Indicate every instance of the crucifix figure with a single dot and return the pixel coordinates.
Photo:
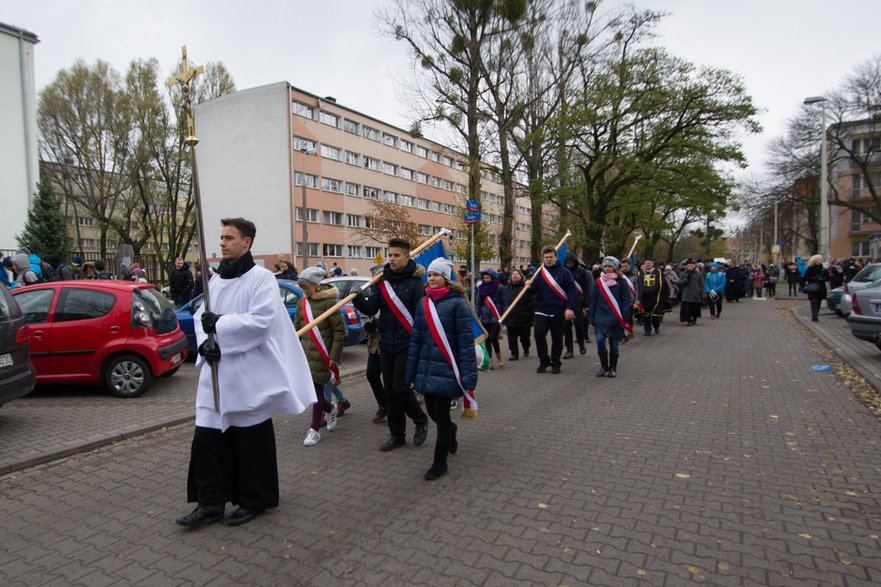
(185, 80)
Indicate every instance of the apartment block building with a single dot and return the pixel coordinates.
(271, 152)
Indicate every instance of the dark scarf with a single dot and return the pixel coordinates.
(237, 268)
(488, 289)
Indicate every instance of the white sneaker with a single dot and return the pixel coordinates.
(331, 418)
(312, 438)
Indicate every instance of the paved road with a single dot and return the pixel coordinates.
(717, 457)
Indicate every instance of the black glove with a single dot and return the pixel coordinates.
(211, 355)
(370, 326)
(209, 322)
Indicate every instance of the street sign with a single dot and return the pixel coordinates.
(472, 217)
(775, 249)
(472, 205)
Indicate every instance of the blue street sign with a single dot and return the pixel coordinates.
(472, 217)
(472, 205)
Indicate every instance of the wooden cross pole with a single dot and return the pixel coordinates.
(186, 79)
(531, 279)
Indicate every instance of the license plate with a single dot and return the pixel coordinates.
(6, 360)
(176, 358)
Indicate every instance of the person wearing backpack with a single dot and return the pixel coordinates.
(24, 275)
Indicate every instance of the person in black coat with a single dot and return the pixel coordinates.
(608, 324)
(519, 320)
(181, 282)
(583, 284)
(553, 304)
(815, 284)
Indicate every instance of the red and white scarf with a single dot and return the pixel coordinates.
(439, 335)
(318, 341)
(552, 283)
(612, 301)
(397, 306)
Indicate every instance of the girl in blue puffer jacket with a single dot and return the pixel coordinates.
(441, 363)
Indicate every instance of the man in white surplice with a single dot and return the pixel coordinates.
(262, 372)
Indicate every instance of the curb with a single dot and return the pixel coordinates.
(113, 437)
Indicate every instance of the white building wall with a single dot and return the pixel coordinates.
(243, 157)
(18, 129)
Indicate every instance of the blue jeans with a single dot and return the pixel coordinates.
(331, 392)
(601, 339)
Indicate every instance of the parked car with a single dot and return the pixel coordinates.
(867, 275)
(17, 373)
(833, 299)
(290, 294)
(119, 333)
(865, 320)
(348, 284)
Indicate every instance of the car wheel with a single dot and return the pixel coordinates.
(170, 373)
(127, 376)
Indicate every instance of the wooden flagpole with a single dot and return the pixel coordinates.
(376, 279)
(529, 283)
(633, 248)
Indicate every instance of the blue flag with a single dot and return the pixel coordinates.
(561, 255)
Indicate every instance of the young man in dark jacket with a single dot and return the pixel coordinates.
(395, 298)
(181, 282)
(554, 303)
(583, 284)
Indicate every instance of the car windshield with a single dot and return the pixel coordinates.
(870, 273)
(159, 308)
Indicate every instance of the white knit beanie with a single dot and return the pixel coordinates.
(441, 266)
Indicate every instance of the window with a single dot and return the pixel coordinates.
(335, 218)
(88, 243)
(350, 126)
(369, 253)
(447, 161)
(353, 189)
(83, 304)
(435, 181)
(407, 173)
(435, 206)
(447, 209)
(390, 196)
(435, 157)
(301, 109)
(354, 220)
(389, 140)
(371, 193)
(311, 180)
(301, 144)
(35, 304)
(85, 221)
(448, 185)
(353, 158)
(371, 163)
(425, 230)
(329, 119)
(329, 152)
(423, 204)
(311, 213)
(369, 133)
(859, 249)
(422, 177)
(331, 185)
(422, 152)
(405, 200)
(353, 251)
(406, 146)
(389, 168)
(460, 188)
(333, 250)
(313, 249)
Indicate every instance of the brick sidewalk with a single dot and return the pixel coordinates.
(717, 457)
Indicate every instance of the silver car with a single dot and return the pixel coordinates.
(348, 284)
(866, 276)
(865, 320)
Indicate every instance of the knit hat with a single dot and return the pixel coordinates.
(612, 262)
(312, 275)
(77, 260)
(441, 266)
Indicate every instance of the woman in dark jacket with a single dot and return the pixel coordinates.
(519, 320)
(491, 289)
(606, 325)
(815, 284)
(428, 365)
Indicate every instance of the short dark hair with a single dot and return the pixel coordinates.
(99, 265)
(400, 243)
(246, 227)
(548, 249)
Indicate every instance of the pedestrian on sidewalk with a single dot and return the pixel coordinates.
(758, 280)
(815, 284)
(610, 311)
(714, 285)
(554, 303)
(323, 345)
(691, 292)
(491, 304)
(519, 320)
(441, 363)
(652, 298)
(261, 372)
(583, 284)
(396, 298)
(792, 279)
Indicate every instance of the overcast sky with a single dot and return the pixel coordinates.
(785, 50)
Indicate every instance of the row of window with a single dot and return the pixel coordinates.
(336, 250)
(371, 193)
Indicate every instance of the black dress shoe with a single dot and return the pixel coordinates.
(241, 516)
(421, 434)
(199, 517)
(435, 472)
(555, 369)
(569, 355)
(391, 443)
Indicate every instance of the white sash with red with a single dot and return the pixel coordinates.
(318, 341)
(630, 285)
(578, 288)
(492, 307)
(612, 301)
(552, 283)
(439, 335)
(397, 306)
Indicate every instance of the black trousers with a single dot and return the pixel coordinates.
(554, 324)
(815, 306)
(521, 334)
(439, 411)
(374, 378)
(715, 306)
(649, 322)
(578, 324)
(492, 338)
(238, 466)
(400, 401)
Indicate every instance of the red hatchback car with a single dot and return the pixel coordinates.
(118, 333)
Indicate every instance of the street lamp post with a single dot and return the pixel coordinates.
(824, 188)
(306, 151)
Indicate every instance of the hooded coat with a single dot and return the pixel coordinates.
(583, 278)
(332, 330)
(24, 274)
(181, 285)
(407, 285)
